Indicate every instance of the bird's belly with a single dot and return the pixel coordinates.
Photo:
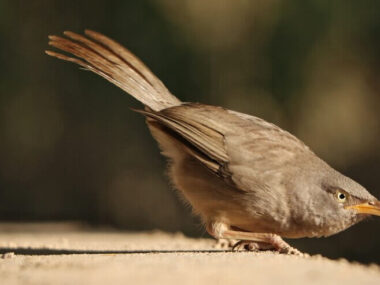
(209, 195)
(215, 200)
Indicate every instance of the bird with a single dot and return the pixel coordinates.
(250, 182)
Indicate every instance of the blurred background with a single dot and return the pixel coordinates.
(70, 148)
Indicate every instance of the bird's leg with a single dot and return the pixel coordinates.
(249, 240)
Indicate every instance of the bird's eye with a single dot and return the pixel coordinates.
(341, 196)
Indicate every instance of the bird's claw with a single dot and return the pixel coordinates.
(291, 251)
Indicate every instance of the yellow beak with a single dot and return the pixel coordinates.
(371, 208)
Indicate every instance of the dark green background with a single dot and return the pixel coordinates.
(70, 148)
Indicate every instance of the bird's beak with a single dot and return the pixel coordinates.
(371, 208)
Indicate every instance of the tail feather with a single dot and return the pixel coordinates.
(115, 63)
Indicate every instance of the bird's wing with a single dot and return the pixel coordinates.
(201, 139)
(228, 143)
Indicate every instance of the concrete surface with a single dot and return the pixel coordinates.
(72, 254)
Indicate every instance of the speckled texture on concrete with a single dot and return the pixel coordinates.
(71, 254)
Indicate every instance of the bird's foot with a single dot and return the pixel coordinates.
(282, 246)
(276, 244)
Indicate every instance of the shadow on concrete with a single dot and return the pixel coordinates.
(51, 251)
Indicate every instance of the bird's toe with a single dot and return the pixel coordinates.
(292, 251)
(224, 243)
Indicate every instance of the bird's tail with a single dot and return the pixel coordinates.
(115, 63)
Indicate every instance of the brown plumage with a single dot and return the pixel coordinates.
(248, 179)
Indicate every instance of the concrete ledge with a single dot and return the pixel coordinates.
(72, 254)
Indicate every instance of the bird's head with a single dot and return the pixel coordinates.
(332, 203)
(351, 200)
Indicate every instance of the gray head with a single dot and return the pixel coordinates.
(330, 202)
